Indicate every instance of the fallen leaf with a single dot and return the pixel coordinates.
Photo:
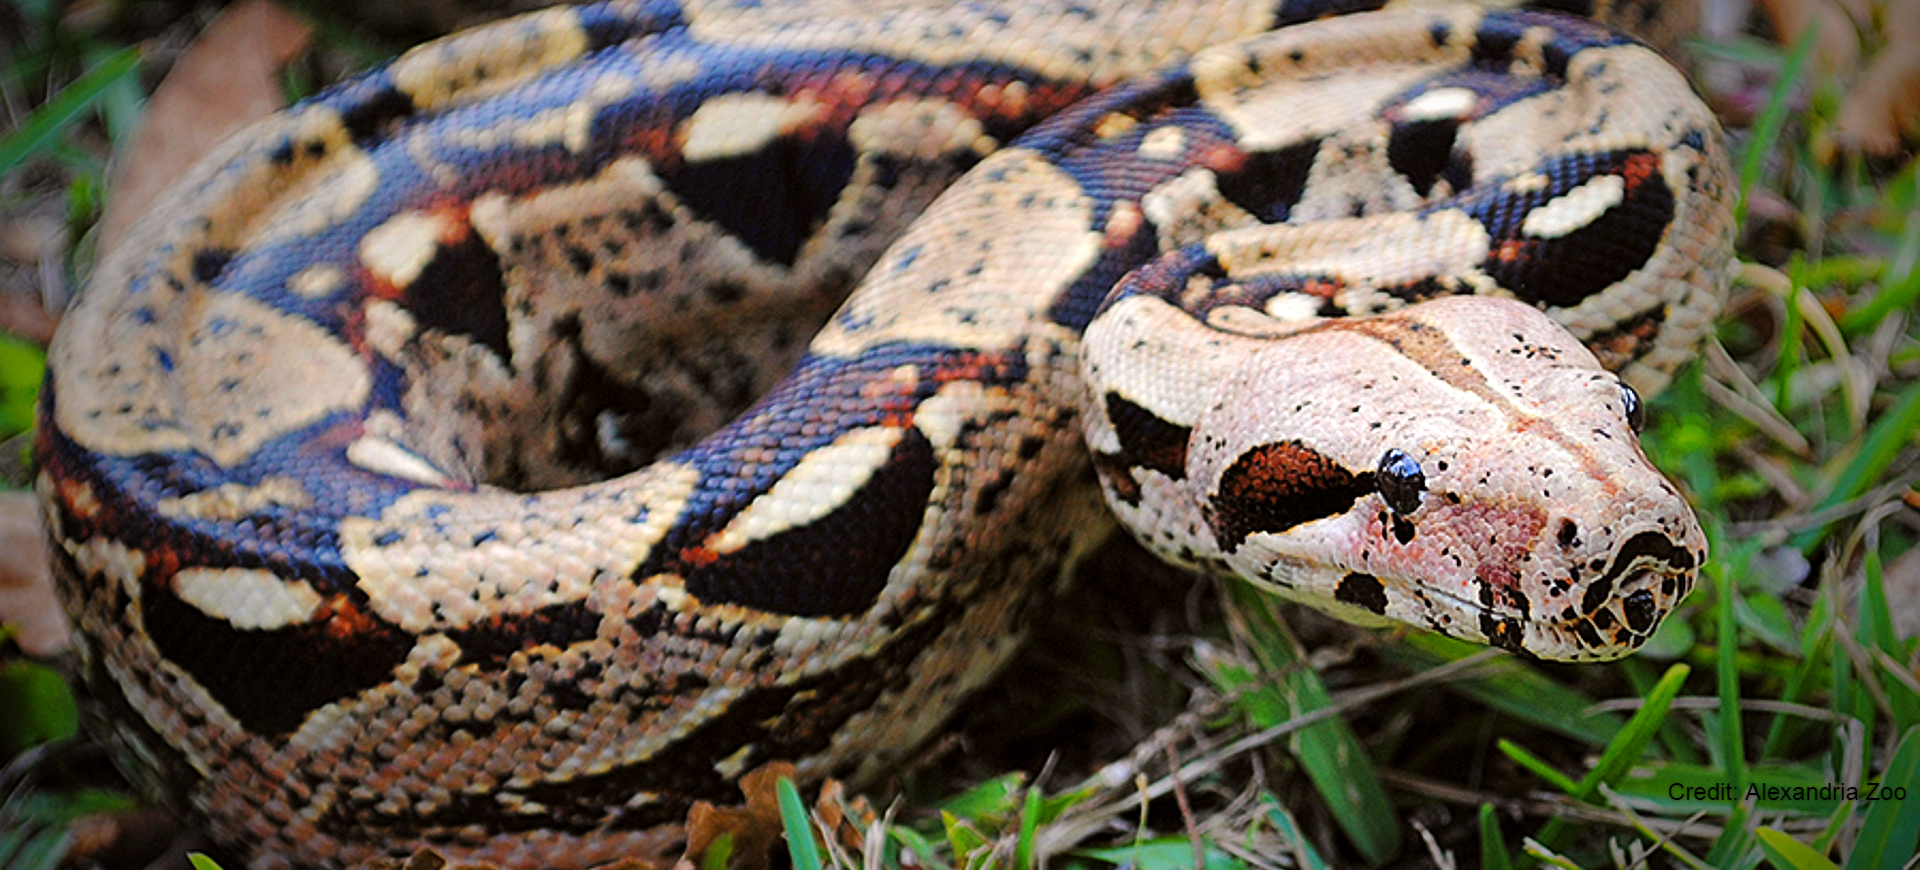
(1837, 47)
(1882, 109)
(754, 828)
(27, 601)
(225, 80)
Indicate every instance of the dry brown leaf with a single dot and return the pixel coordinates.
(1883, 107)
(1839, 46)
(755, 828)
(27, 601)
(226, 79)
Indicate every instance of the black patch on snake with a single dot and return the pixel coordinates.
(367, 110)
(1423, 150)
(1268, 184)
(1642, 546)
(288, 672)
(1646, 545)
(1587, 632)
(1568, 536)
(1506, 634)
(1274, 487)
(772, 199)
(1288, 12)
(1628, 339)
(1363, 591)
(1146, 440)
(1565, 270)
(460, 292)
(208, 263)
(490, 643)
(834, 566)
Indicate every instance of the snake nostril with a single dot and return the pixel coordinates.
(1642, 611)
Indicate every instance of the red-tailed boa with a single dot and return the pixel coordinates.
(376, 463)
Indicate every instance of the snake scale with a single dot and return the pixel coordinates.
(406, 478)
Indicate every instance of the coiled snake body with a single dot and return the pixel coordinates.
(375, 462)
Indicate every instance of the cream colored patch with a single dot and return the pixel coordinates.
(253, 373)
(1101, 42)
(731, 767)
(245, 373)
(232, 501)
(484, 61)
(1383, 251)
(1189, 208)
(1576, 208)
(1114, 124)
(924, 129)
(381, 456)
(1528, 182)
(320, 200)
(1440, 104)
(737, 124)
(397, 251)
(818, 485)
(112, 560)
(438, 560)
(389, 328)
(980, 268)
(570, 126)
(248, 599)
(1163, 143)
(950, 411)
(1293, 307)
(316, 281)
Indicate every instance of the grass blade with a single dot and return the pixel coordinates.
(1335, 759)
(798, 827)
(45, 122)
(1890, 832)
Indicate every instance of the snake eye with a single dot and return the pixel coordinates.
(1636, 413)
(1401, 481)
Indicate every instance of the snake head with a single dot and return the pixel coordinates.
(1464, 465)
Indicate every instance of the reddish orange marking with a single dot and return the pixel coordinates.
(1123, 226)
(1322, 288)
(1222, 157)
(341, 620)
(79, 499)
(1639, 168)
(699, 557)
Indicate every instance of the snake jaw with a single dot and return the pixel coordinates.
(1498, 594)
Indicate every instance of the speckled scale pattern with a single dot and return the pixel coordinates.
(376, 461)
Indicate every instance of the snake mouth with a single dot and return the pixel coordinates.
(1607, 617)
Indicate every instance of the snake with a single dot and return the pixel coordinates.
(518, 443)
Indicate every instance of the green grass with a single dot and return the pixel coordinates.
(1198, 730)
